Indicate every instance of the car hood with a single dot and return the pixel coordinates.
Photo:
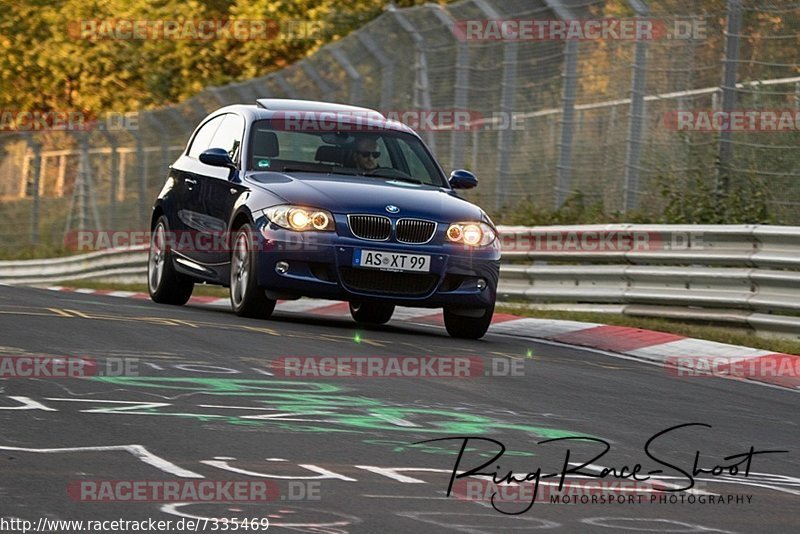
(360, 194)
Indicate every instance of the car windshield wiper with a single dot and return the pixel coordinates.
(409, 179)
(318, 171)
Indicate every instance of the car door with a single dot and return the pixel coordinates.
(218, 192)
(186, 174)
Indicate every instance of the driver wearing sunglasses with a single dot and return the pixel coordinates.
(366, 154)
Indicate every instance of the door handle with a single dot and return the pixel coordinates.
(190, 183)
(233, 190)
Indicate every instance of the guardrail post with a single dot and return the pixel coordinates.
(637, 116)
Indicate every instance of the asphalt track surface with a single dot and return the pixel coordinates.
(234, 421)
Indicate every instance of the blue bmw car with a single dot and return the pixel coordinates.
(290, 198)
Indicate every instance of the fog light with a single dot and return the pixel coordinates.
(481, 284)
(281, 267)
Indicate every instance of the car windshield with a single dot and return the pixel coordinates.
(375, 153)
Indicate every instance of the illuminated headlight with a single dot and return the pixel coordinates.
(300, 219)
(474, 234)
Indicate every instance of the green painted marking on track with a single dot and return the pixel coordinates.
(320, 407)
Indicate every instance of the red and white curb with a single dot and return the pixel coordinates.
(680, 355)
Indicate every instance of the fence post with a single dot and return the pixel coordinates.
(797, 95)
(387, 69)
(36, 168)
(730, 62)
(141, 171)
(199, 109)
(637, 114)
(505, 135)
(287, 89)
(422, 90)
(217, 94)
(113, 179)
(570, 76)
(564, 166)
(324, 87)
(352, 73)
(163, 141)
(460, 86)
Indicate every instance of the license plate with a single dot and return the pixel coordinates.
(392, 261)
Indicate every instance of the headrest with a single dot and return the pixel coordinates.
(265, 144)
(330, 154)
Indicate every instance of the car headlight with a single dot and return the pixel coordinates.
(300, 219)
(473, 234)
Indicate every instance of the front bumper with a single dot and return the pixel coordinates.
(320, 265)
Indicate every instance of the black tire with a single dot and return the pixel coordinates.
(164, 283)
(247, 298)
(464, 327)
(371, 312)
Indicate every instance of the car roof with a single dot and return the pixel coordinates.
(287, 104)
(267, 108)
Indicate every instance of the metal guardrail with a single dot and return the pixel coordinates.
(126, 265)
(740, 275)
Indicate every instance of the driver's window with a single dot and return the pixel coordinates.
(204, 135)
(229, 135)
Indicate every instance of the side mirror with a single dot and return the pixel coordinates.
(461, 179)
(218, 157)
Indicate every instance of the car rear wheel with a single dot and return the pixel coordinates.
(371, 312)
(164, 283)
(471, 324)
(247, 298)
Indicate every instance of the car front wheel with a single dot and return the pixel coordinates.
(468, 324)
(164, 283)
(247, 298)
(371, 312)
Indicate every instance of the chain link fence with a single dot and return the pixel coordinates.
(551, 117)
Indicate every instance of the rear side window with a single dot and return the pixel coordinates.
(202, 140)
